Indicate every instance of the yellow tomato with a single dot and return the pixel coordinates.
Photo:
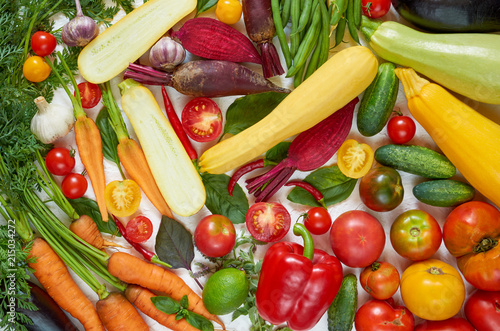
(228, 11)
(354, 159)
(122, 197)
(432, 290)
(35, 69)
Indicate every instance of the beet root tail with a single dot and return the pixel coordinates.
(271, 64)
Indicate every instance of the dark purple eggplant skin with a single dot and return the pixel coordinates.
(49, 316)
(451, 15)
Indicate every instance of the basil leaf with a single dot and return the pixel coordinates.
(185, 302)
(108, 136)
(174, 244)
(277, 154)
(89, 207)
(334, 186)
(204, 5)
(166, 305)
(199, 322)
(220, 202)
(248, 110)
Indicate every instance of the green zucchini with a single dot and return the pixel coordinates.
(443, 192)
(467, 63)
(343, 308)
(417, 160)
(378, 101)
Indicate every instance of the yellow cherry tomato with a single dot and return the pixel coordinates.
(228, 11)
(354, 159)
(35, 69)
(432, 290)
(122, 197)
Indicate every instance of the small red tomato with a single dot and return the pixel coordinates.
(215, 235)
(375, 8)
(380, 280)
(318, 220)
(139, 229)
(378, 315)
(74, 186)
(482, 309)
(43, 43)
(60, 161)
(202, 119)
(268, 221)
(90, 94)
(401, 129)
(451, 324)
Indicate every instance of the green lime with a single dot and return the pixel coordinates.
(225, 291)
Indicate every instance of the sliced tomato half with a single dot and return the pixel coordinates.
(90, 94)
(202, 119)
(268, 221)
(139, 229)
(122, 197)
(354, 159)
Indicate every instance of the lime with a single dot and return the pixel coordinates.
(225, 291)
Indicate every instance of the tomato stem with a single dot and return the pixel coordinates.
(414, 232)
(375, 266)
(435, 271)
(485, 245)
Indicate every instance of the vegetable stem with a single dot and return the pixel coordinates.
(299, 229)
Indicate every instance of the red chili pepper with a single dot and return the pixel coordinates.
(297, 283)
(242, 171)
(150, 256)
(309, 188)
(177, 126)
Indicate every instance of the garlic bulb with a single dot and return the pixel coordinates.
(166, 54)
(80, 30)
(51, 121)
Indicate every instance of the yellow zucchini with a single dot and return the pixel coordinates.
(129, 38)
(174, 173)
(467, 138)
(332, 86)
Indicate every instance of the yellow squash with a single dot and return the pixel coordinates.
(467, 138)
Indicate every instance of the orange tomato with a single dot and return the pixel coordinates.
(354, 159)
(228, 11)
(35, 69)
(122, 197)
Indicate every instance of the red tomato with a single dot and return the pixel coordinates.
(90, 94)
(415, 235)
(318, 220)
(215, 236)
(357, 238)
(451, 324)
(378, 315)
(482, 309)
(375, 8)
(139, 229)
(202, 119)
(380, 280)
(60, 161)
(268, 221)
(401, 129)
(471, 233)
(43, 43)
(74, 186)
(381, 189)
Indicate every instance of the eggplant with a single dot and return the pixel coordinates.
(49, 316)
(451, 15)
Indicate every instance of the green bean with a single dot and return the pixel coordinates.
(294, 37)
(298, 79)
(280, 32)
(325, 31)
(305, 15)
(285, 14)
(339, 7)
(313, 62)
(357, 13)
(339, 32)
(350, 21)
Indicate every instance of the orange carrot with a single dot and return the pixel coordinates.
(85, 228)
(118, 314)
(88, 140)
(141, 298)
(52, 273)
(133, 270)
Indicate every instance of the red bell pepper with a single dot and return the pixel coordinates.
(297, 283)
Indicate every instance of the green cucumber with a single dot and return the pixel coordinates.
(417, 160)
(443, 192)
(378, 101)
(343, 308)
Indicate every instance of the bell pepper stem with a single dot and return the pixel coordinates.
(299, 229)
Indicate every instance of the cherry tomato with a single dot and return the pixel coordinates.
(381, 189)
(482, 309)
(74, 186)
(122, 197)
(401, 129)
(139, 229)
(380, 280)
(415, 235)
(354, 159)
(215, 236)
(35, 69)
(375, 8)
(43, 43)
(451, 324)
(228, 11)
(432, 290)
(318, 220)
(268, 221)
(378, 315)
(90, 94)
(202, 119)
(357, 238)
(60, 161)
